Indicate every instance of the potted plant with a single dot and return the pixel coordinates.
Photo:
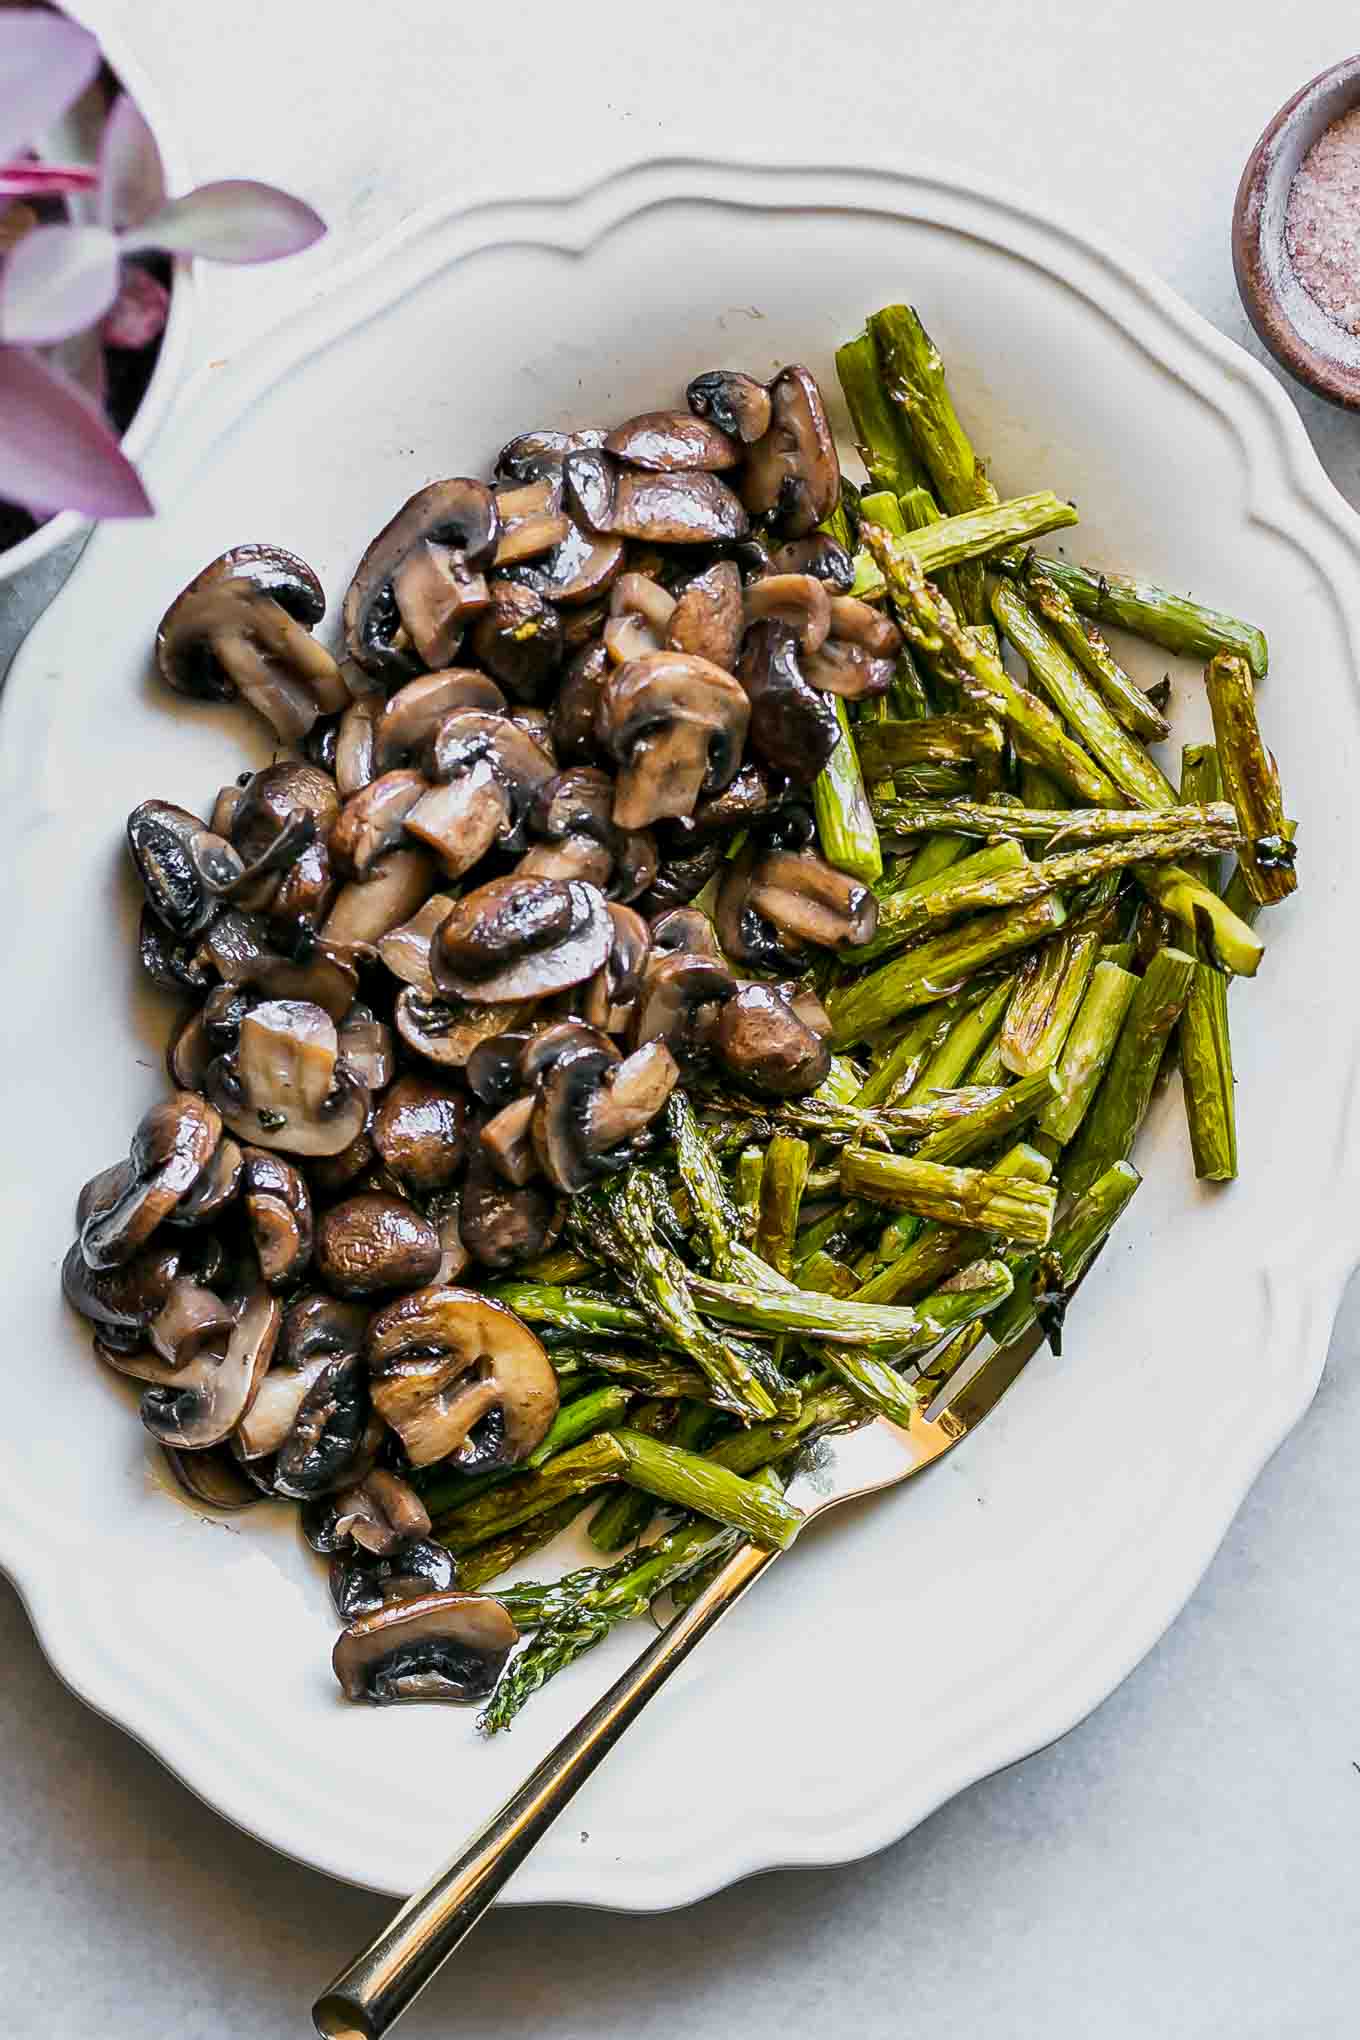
(94, 252)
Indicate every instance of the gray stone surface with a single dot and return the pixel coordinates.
(1184, 1863)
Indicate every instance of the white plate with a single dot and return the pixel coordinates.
(916, 1644)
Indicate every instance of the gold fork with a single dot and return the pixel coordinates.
(373, 1992)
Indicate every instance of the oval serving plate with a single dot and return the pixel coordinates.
(908, 1647)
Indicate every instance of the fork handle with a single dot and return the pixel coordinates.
(368, 1997)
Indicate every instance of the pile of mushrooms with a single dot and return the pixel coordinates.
(440, 966)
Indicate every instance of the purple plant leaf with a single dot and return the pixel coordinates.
(57, 451)
(235, 220)
(82, 360)
(139, 311)
(45, 180)
(56, 281)
(131, 175)
(45, 63)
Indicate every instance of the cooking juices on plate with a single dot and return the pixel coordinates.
(680, 992)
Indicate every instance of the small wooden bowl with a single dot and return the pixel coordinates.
(1314, 349)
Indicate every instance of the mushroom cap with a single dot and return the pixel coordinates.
(493, 1069)
(272, 798)
(707, 620)
(210, 1396)
(520, 637)
(446, 1032)
(808, 900)
(278, 1214)
(799, 600)
(793, 727)
(676, 725)
(579, 569)
(683, 874)
(215, 1189)
(679, 1000)
(243, 955)
(283, 1086)
(447, 1363)
(672, 441)
(521, 938)
(499, 1224)
(591, 1106)
(753, 796)
(736, 402)
(312, 1413)
(744, 932)
(761, 1040)
(573, 710)
(820, 554)
(243, 626)
(405, 727)
(694, 508)
(184, 866)
(212, 1477)
(448, 1646)
(613, 994)
(420, 1130)
(361, 1581)
(371, 1243)
(684, 928)
(121, 1208)
(459, 516)
(792, 474)
(531, 455)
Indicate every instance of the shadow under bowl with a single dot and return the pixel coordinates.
(1304, 340)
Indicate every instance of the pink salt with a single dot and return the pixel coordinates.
(1322, 222)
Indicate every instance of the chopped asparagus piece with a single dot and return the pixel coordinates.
(933, 969)
(703, 1180)
(1053, 982)
(993, 1122)
(686, 1480)
(977, 1199)
(1227, 938)
(1266, 858)
(1043, 1284)
(1057, 827)
(1172, 621)
(1204, 1041)
(881, 438)
(1088, 1049)
(787, 1160)
(1125, 699)
(1107, 1132)
(960, 1047)
(941, 1250)
(845, 824)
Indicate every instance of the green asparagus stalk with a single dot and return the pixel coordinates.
(845, 824)
(562, 1264)
(839, 1123)
(746, 1179)
(1053, 982)
(996, 1121)
(576, 1420)
(1088, 1049)
(652, 1373)
(886, 747)
(825, 1276)
(624, 1514)
(939, 1251)
(486, 1562)
(1121, 953)
(571, 1310)
(960, 1047)
(932, 857)
(1172, 621)
(1204, 1041)
(1108, 1129)
(787, 1160)
(917, 510)
(1227, 937)
(830, 1406)
(887, 1333)
(703, 1179)
(977, 1199)
(1044, 1283)
(881, 439)
(900, 915)
(567, 1475)
(1076, 700)
(1059, 828)
(1126, 701)
(935, 967)
(1266, 858)
(685, 1480)
(895, 1072)
(929, 622)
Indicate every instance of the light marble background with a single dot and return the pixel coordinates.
(1184, 1863)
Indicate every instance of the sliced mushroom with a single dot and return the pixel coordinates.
(735, 402)
(640, 612)
(493, 1069)
(330, 1174)
(210, 1396)
(672, 442)
(520, 638)
(361, 1582)
(573, 813)
(521, 938)
(793, 727)
(500, 1225)
(373, 821)
(184, 867)
(406, 727)
(660, 509)
(367, 1047)
(212, 1477)
(371, 1244)
(684, 928)
(532, 519)
(278, 1214)
(406, 949)
(683, 875)
(419, 1129)
(191, 1318)
(761, 1040)
(792, 474)
(215, 1189)
(123, 1302)
(175, 963)
(676, 725)
(421, 578)
(707, 620)
(799, 600)
(488, 773)
(506, 1143)
(532, 455)
(445, 1211)
(243, 626)
(380, 1514)
(459, 1377)
(820, 554)
(356, 742)
(370, 909)
(577, 570)
(859, 658)
(284, 1087)
(323, 1441)
(612, 994)
(754, 795)
(679, 1002)
(809, 901)
(121, 1208)
(592, 1106)
(447, 1032)
(573, 710)
(744, 932)
(242, 954)
(441, 1647)
(282, 826)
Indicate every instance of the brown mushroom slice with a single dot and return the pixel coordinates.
(278, 1215)
(737, 403)
(448, 1646)
(277, 1406)
(356, 745)
(283, 1087)
(573, 710)
(380, 1514)
(445, 1210)
(809, 901)
(406, 726)
(672, 442)
(459, 1377)
(755, 794)
(369, 909)
(792, 726)
(591, 1107)
(500, 1225)
(493, 1068)
(325, 1440)
(447, 1032)
(243, 626)
(373, 820)
(572, 810)
(191, 1318)
(761, 1040)
(848, 670)
(272, 799)
(676, 725)
(792, 473)
(684, 928)
(224, 808)
(683, 875)
(640, 613)
(173, 1144)
(520, 637)
(367, 1048)
(809, 1008)
(420, 1130)
(488, 772)
(679, 1002)
(185, 868)
(361, 1583)
(505, 1142)
(521, 938)
(579, 569)
(212, 1394)
(820, 554)
(612, 995)
(420, 578)
(660, 509)
(708, 618)
(745, 934)
(370, 1244)
(214, 1190)
(211, 1477)
(242, 956)
(532, 519)
(799, 600)
(406, 949)
(123, 1302)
